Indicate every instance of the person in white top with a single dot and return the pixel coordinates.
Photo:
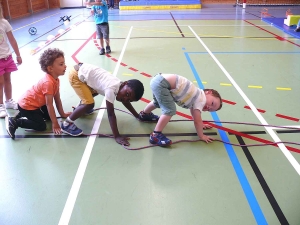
(169, 89)
(7, 65)
(88, 81)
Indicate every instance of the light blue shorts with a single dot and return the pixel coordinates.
(162, 97)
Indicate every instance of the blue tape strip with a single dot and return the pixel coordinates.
(255, 208)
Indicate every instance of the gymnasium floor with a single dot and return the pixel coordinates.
(57, 179)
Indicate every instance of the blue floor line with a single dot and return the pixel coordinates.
(255, 208)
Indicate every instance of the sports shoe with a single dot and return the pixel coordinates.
(11, 104)
(108, 49)
(148, 117)
(71, 129)
(11, 126)
(297, 29)
(102, 51)
(3, 112)
(159, 139)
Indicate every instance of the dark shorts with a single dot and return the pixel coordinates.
(102, 30)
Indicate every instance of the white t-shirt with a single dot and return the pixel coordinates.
(4, 46)
(100, 80)
(187, 95)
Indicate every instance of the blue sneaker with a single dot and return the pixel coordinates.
(71, 129)
(159, 139)
(149, 117)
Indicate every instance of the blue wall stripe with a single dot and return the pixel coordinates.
(255, 208)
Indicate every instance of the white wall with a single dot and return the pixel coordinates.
(71, 3)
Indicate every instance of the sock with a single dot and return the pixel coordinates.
(68, 121)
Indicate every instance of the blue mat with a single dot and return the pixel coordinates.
(279, 23)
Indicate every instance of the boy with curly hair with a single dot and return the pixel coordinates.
(36, 104)
(169, 89)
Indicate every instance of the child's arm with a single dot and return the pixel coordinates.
(49, 103)
(131, 109)
(59, 106)
(14, 45)
(113, 124)
(198, 123)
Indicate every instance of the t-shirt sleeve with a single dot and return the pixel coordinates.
(48, 88)
(110, 95)
(7, 26)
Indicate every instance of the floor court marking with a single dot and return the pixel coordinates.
(69, 206)
(271, 132)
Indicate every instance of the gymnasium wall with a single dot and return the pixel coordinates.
(20, 8)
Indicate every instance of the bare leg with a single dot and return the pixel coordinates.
(162, 122)
(149, 108)
(107, 42)
(101, 43)
(7, 86)
(1, 88)
(81, 110)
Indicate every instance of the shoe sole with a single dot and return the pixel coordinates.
(7, 128)
(159, 144)
(74, 135)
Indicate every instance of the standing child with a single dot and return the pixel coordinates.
(169, 89)
(89, 81)
(36, 104)
(7, 65)
(100, 12)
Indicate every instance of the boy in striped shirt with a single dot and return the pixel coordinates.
(169, 89)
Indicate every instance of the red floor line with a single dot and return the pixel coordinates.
(81, 47)
(228, 102)
(287, 117)
(275, 35)
(233, 131)
(259, 110)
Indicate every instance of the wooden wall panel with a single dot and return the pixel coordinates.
(54, 4)
(4, 9)
(18, 8)
(38, 5)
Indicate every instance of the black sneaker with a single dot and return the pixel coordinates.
(149, 117)
(108, 49)
(297, 29)
(11, 126)
(102, 51)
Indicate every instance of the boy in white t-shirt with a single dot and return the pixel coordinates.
(89, 81)
(169, 89)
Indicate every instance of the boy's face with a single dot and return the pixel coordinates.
(58, 67)
(125, 94)
(212, 102)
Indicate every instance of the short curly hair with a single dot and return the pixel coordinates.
(137, 87)
(48, 57)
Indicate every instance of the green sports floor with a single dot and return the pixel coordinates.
(48, 179)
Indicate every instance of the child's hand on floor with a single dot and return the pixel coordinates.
(207, 139)
(56, 128)
(122, 140)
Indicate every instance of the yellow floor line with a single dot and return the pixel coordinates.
(250, 86)
(284, 89)
(225, 84)
(127, 74)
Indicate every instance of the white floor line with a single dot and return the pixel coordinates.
(69, 206)
(271, 132)
(285, 127)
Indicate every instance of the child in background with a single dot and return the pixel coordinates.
(89, 81)
(7, 64)
(169, 89)
(36, 104)
(99, 10)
